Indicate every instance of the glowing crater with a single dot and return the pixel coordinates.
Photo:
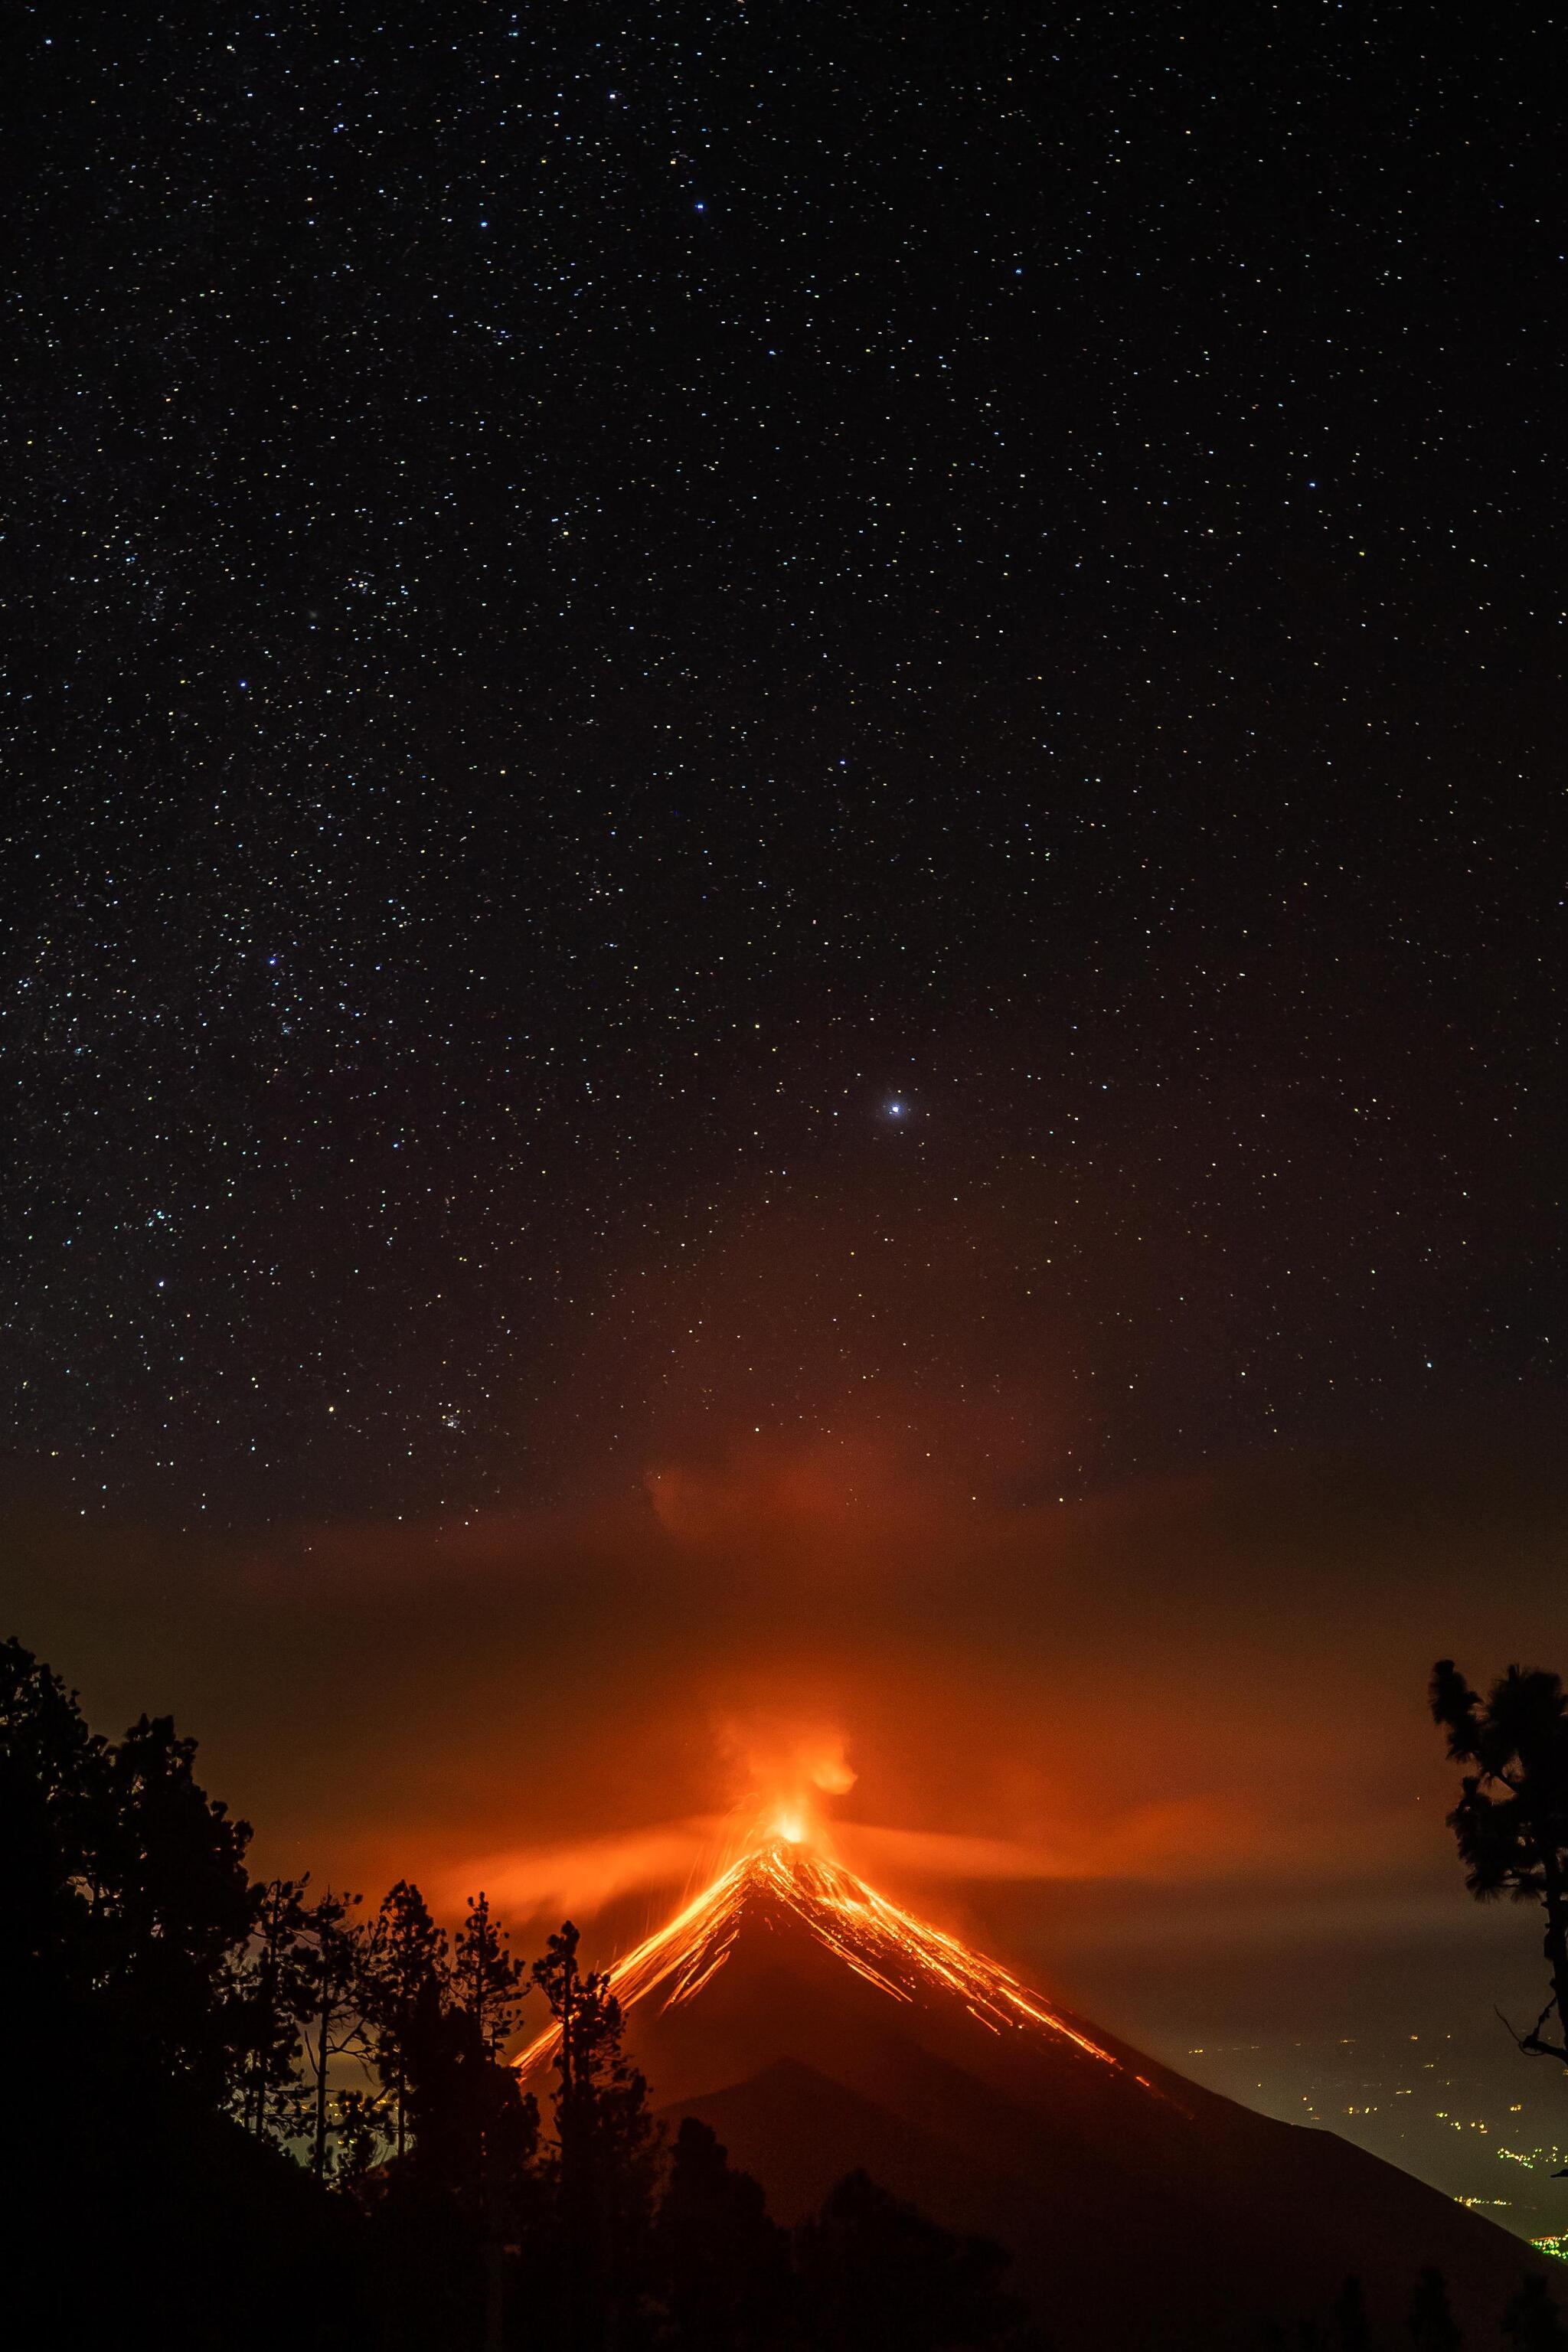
(902, 1956)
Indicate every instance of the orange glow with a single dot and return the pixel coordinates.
(979, 1705)
(903, 1957)
(787, 1767)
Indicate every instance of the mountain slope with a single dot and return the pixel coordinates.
(818, 2026)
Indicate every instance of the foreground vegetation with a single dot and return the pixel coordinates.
(244, 2114)
(252, 2115)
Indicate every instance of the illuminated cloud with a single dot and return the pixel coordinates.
(1172, 1686)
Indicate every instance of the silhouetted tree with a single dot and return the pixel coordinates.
(606, 2146)
(1511, 1819)
(1350, 2330)
(875, 2273)
(487, 1981)
(333, 2001)
(124, 1881)
(466, 2190)
(465, 2106)
(173, 1899)
(502, 2126)
(133, 2200)
(1530, 2323)
(53, 1804)
(406, 1962)
(720, 2265)
(461, 2185)
(265, 2010)
(1433, 2327)
(361, 2122)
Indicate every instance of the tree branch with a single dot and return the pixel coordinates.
(1532, 2042)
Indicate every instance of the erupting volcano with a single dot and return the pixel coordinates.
(905, 1958)
(819, 2027)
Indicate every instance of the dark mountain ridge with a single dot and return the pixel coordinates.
(819, 2028)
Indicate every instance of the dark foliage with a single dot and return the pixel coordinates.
(331, 1980)
(239, 2116)
(1350, 2330)
(1530, 2323)
(874, 2272)
(404, 1968)
(52, 1781)
(128, 1881)
(1432, 2324)
(722, 2268)
(1511, 1819)
(265, 2013)
(134, 2202)
(606, 2152)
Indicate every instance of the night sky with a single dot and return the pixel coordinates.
(785, 920)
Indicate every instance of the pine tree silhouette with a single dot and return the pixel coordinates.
(406, 1963)
(488, 1982)
(142, 2204)
(878, 2273)
(1511, 1819)
(1432, 2326)
(1350, 2330)
(172, 1899)
(334, 2001)
(1530, 2323)
(53, 1822)
(720, 2265)
(265, 2010)
(605, 2145)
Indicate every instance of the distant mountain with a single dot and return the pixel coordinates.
(819, 2027)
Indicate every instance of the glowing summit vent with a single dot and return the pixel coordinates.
(899, 1954)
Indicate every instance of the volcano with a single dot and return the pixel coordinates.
(819, 2027)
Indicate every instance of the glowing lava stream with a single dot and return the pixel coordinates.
(900, 1955)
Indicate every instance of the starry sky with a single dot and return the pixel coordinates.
(777, 770)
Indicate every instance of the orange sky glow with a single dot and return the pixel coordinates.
(985, 1706)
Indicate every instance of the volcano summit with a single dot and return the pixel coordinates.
(819, 2028)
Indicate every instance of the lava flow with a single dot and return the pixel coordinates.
(900, 1955)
